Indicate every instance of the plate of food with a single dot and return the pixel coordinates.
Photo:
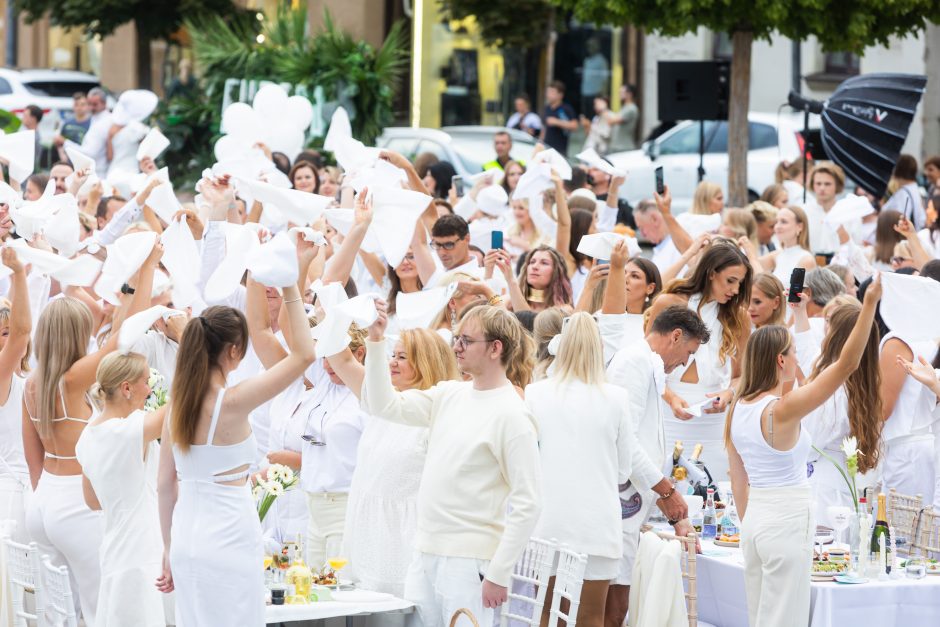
(825, 570)
(730, 541)
(933, 567)
(328, 579)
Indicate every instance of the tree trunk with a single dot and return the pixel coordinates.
(144, 77)
(737, 117)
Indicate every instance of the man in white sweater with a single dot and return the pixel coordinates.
(480, 497)
(641, 368)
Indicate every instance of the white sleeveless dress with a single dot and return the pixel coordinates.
(786, 260)
(125, 481)
(713, 376)
(216, 550)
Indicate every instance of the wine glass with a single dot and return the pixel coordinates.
(839, 516)
(337, 563)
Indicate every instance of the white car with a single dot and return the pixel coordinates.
(467, 148)
(50, 90)
(772, 139)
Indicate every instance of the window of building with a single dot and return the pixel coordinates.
(841, 63)
(721, 47)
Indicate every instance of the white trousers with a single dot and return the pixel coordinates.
(439, 586)
(908, 466)
(59, 521)
(325, 527)
(777, 542)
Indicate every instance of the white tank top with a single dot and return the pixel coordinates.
(913, 411)
(786, 261)
(766, 466)
(12, 459)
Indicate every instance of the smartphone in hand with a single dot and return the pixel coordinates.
(456, 182)
(660, 184)
(796, 284)
(496, 240)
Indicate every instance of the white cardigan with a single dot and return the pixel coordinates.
(586, 442)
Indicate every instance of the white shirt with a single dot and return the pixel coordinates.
(824, 237)
(908, 202)
(931, 241)
(94, 144)
(585, 456)
(160, 352)
(665, 254)
(482, 462)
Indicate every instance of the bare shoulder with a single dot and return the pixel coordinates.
(668, 300)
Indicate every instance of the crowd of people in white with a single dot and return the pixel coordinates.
(444, 394)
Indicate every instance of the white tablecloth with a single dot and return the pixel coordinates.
(370, 603)
(902, 602)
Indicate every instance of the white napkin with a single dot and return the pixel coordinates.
(137, 325)
(125, 256)
(417, 310)
(601, 245)
(535, 180)
(80, 271)
(134, 105)
(695, 224)
(299, 207)
(163, 202)
(594, 160)
(909, 306)
(848, 209)
(353, 155)
(8, 195)
(494, 176)
(19, 149)
(63, 231)
(339, 128)
(493, 200)
(43, 261)
(332, 334)
(80, 161)
(309, 235)
(240, 241)
(340, 219)
(553, 158)
(31, 216)
(181, 259)
(698, 408)
(381, 174)
(394, 215)
(153, 144)
(274, 263)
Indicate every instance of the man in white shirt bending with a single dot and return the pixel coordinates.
(641, 368)
(482, 462)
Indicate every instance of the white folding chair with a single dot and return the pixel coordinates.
(903, 511)
(530, 576)
(569, 578)
(59, 607)
(22, 563)
(687, 564)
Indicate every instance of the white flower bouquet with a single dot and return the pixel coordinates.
(280, 479)
(850, 448)
(159, 395)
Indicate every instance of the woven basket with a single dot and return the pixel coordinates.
(465, 612)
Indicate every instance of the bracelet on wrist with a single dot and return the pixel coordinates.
(495, 299)
(663, 497)
(293, 300)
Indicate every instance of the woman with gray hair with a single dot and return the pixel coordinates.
(820, 286)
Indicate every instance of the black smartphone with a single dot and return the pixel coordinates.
(496, 240)
(660, 184)
(456, 182)
(601, 262)
(796, 284)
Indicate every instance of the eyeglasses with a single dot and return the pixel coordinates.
(444, 245)
(312, 439)
(462, 341)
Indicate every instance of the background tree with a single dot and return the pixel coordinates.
(153, 19)
(513, 27)
(839, 25)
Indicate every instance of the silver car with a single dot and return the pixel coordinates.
(467, 148)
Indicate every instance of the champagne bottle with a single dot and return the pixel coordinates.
(696, 452)
(678, 472)
(881, 529)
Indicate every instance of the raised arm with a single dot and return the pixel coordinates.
(918, 253)
(254, 391)
(341, 263)
(563, 234)
(396, 159)
(21, 322)
(424, 258)
(263, 341)
(801, 401)
(680, 237)
(615, 293)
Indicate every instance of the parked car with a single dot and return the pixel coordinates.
(467, 148)
(772, 139)
(50, 90)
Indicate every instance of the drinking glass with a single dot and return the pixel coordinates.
(915, 568)
(839, 516)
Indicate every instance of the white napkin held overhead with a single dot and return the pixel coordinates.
(394, 215)
(80, 161)
(555, 161)
(594, 160)
(848, 209)
(601, 245)
(310, 235)
(152, 145)
(332, 334)
(339, 128)
(19, 149)
(536, 179)
(125, 257)
(909, 306)
(493, 200)
(418, 310)
(181, 259)
(274, 263)
(137, 325)
(299, 207)
(134, 105)
(240, 241)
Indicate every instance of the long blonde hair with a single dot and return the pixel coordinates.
(580, 353)
(547, 324)
(115, 369)
(62, 335)
(430, 356)
(759, 369)
(704, 194)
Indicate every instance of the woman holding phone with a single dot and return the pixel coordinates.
(767, 453)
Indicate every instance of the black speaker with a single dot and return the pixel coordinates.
(694, 90)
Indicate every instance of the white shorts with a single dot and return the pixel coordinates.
(631, 542)
(601, 568)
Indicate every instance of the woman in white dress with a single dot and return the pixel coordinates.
(122, 147)
(792, 231)
(57, 407)
(381, 515)
(15, 327)
(854, 410)
(211, 534)
(718, 290)
(767, 452)
(118, 452)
